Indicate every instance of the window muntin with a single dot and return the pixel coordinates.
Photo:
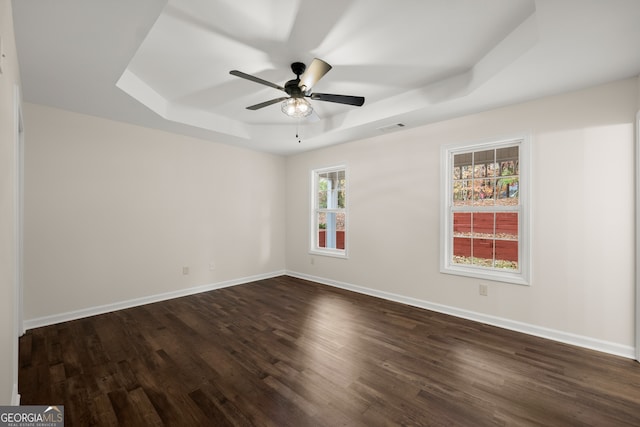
(484, 211)
(329, 218)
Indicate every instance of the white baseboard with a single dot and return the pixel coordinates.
(15, 397)
(539, 331)
(107, 308)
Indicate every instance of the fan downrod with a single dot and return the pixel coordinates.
(291, 87)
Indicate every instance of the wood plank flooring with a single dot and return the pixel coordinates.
(287, 352)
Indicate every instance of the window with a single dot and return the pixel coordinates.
(485, 218)
(329, 213)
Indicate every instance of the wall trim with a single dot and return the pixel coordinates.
(539, 331)
(107, 308)
(636, 168)
(15, 397)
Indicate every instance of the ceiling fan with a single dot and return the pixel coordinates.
(295, 104)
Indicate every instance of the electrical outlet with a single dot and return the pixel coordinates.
(484, 290)
(313, 261)
(212, 266)
(185, 271)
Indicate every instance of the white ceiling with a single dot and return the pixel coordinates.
(165, 64)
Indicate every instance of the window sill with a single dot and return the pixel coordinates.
(330, 253)
(496, 276)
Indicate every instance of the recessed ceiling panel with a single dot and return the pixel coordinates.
(166, 64)
(375, 46)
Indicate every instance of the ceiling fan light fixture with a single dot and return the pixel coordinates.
(295, 105)
(297, 108)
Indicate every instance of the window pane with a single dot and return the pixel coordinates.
(483, 192)
(507, 225)
(340, 221)
(483, 225)
(331, 234)
(508, 168)
(484, 157)
(493, 169)
(340, 230)
(508, 154)
(462, 192)
(483, 252)
(322, 220)
(474, 234)
(461, 239)
(464, 159)
(462, 224)
(331, 230)
(473, 239)
(479, 171)
(322, 186)
(322, 199)
(331, 190)
(456, 172)
(507, 191)
(321, 231)
(507, 254)
(342, 198)
(322, 239)
(461, 250)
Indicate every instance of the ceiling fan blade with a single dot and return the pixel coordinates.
(313, 73)
(340, 99)
(267, 103)
(255, 79)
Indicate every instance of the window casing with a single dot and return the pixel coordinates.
(484, 230)
(329, 211)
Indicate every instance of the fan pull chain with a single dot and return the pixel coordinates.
(298, 131)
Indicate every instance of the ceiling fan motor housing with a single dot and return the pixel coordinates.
(292, 88)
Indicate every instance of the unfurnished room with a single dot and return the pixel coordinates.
(303, 213)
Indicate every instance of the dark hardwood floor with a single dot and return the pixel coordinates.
(287, 352)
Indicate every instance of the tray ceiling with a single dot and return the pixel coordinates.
(165, 64)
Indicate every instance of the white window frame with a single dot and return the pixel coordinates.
(315, 209)
(522, 276)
